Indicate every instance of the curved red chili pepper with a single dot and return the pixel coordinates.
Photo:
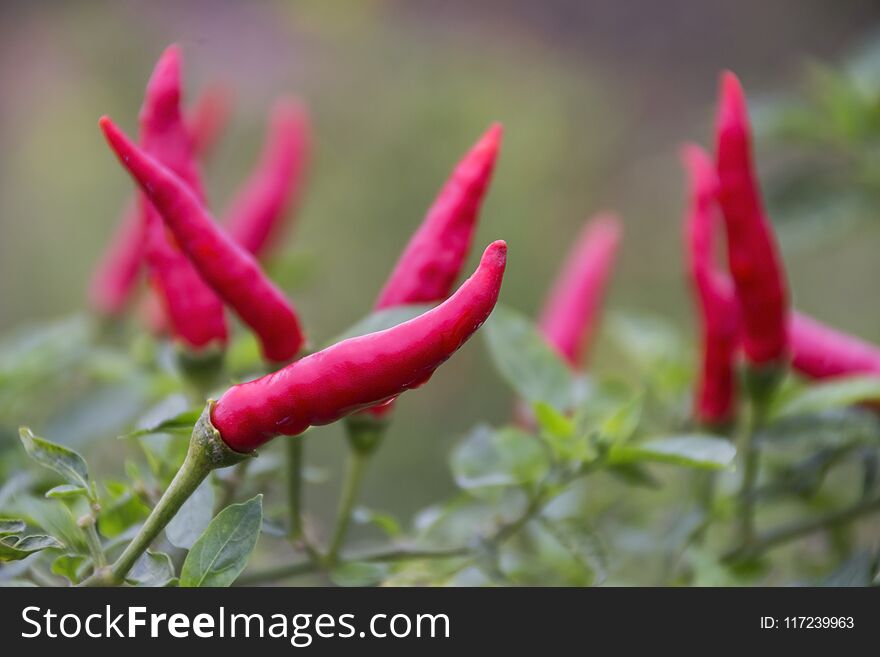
(571, 312)
(430, 263)
(715, 395)
(360, 372)
(116, 275)
(117, 271)
(194, 311)
(752, 253)
(257, 212)
(822, 352)
(230, 270)
(207, 117)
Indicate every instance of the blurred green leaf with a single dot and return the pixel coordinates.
(222, 551)
(384, 521)
(70, 566)
(828, 395)
(180, 423)
(525, 360)
(125, 510)
(13, 549)
(584, 545)
(857, 571)
(489, 458)
(66, 462)
(67, 491)
(11, 526)
(152, 569)
(355, 573)
(693, 451)
(193, 518)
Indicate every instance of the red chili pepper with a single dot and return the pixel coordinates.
(428, 267)
(714, 293)
(230, 270)
(117, 273)
(752, 253)
(360, 372)
(571, 312)
(207, 118)
(822, 352)
(194, 311)
(257, 212)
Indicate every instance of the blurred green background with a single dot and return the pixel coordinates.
(595, 96)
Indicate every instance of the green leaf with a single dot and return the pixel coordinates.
(384, 521)
(67, 491)
(66, 462)
(222, 551)
(125, 510)
(693, 451)
(562, 436)
(382, 320)
(69, 566)
(489, 458)
(583, 544)
(358, 573)
(193, 518)
(830, 395)
(152, 569)
(10, 526)
(526, 361)
(15, 550)
(180, 423)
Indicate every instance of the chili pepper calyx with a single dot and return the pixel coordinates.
(365, 431)
(208, 444)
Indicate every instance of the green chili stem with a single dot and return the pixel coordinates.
(294, 486)
(354, 472)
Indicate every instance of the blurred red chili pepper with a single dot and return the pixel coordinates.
(117, 273)
(430, 263)
(257, 213)
(822, 352)
(359, 372)
(752, 253)
(570, 314)
(715, 395)
(432, 260)
(230, 270)
(194, 311)
(207, 118)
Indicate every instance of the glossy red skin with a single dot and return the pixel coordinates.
(433, 258)
(753, 256)
(360, 372)
(194, 311)
(230, 270)
(822, 352)
(257, 213)
(570, 315)
(116, 276)
(715, 395)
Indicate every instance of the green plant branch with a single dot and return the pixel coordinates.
(294, 487)
(94, 542)
(800, 529)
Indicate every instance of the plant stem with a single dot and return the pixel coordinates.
(796, 530)
(94, 543)
(303, 567)
(751, 465)
(206, 452)
(294, 487)
(354, 472)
